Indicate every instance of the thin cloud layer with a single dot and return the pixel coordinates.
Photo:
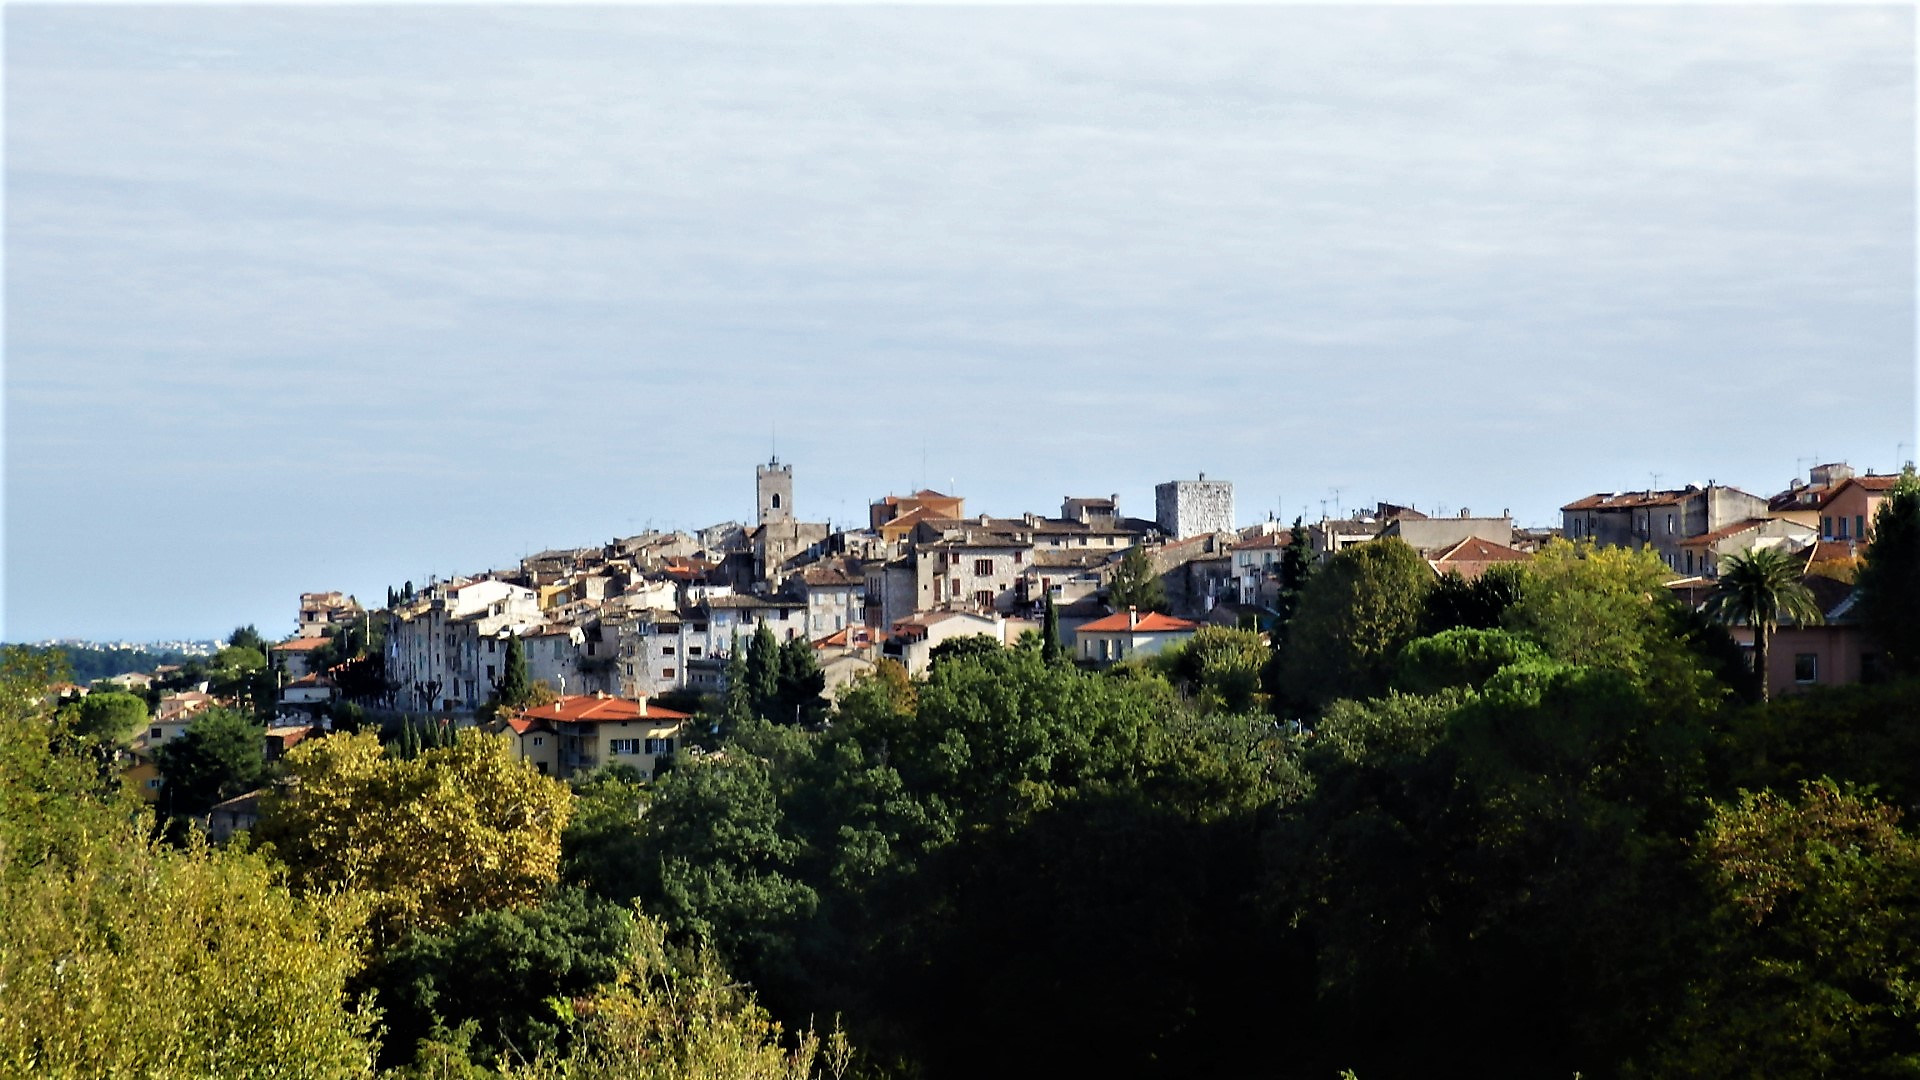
(460, 283)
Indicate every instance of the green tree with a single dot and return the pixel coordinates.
(246, 637)
(219, 756)
(1609, 608)
(1220, 667)
(674, 1015)
(1460, 657)
(762, 675)
(1760, 589)
(108, 717)
(1051, 648)
(1809, 963)
(515, 688)
(102, 923)
(801, 684)
(1356, 614)
(1889, 577)
(1135, 583)
(722, 861)
(505, 972)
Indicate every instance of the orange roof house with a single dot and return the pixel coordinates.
(1126, 634)
(1473, 556)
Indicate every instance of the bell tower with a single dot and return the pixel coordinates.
(773, 491)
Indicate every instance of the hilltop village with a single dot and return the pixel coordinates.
(934, 775)
(656, 618)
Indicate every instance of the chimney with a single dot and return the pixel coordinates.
(1465, 513)
(1133, 616)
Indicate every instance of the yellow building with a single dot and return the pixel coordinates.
(583, 732)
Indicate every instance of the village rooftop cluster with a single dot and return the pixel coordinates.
(612, 629)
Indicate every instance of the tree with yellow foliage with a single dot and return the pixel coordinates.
(456, 829)
(121, 956)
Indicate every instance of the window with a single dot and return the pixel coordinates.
(983, 568)
(1860, 526)
(776, 500)
(659, 746)
(666, 673)
(693, 650)
(1669, 524)
(953, 558)
(492, 644)
(666, 650)
(983, 598)
(1689, 562)
(1806, 667)
(489, 671)
(153, 733)
(1826, 528)
(1016, 557)
(539, 740)
(154, 783)
(939, 586)
(623, 746)
(1842, 525)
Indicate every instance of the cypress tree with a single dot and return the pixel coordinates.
(801, 683)
(763, 672)
(514, 688)
(1050, 649)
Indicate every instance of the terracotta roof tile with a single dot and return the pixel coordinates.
(1150, 623)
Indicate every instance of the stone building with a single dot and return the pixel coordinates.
(1186, 508)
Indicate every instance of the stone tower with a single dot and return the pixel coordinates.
(773, 491)
(1184, 508)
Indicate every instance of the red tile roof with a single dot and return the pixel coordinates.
(303, 644)
(1608, 500)
(596, 708)
(1717, 535)
(1150, 623)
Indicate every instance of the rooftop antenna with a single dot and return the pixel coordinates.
(1655, 477)
(1336, 501)
(773, 442)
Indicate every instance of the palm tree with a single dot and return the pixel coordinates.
(1762, 588)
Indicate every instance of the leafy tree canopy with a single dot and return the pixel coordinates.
(456, 829)
(219, 756)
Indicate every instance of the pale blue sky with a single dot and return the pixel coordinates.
(336, 297)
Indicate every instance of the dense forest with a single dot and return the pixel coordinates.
(1537, 824)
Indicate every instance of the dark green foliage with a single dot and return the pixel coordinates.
(762, 676)
(1455, 602)
(1459, 657)
(108, 717)
(220, 755)
(515, 688)
(246, 637)
(602, 849)
(801, 684)
(1136, 584)
(508, 972)
(1218, 667)
(1808, 963)
(1867, 735)
(1889, 577)
(1051, 647)
(955, 648)
(1356, 614)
